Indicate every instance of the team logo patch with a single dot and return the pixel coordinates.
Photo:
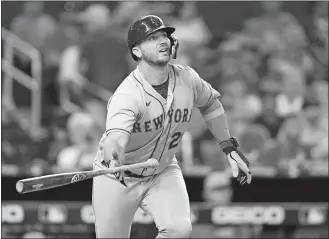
(78, 177)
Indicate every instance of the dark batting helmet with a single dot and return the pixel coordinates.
(144, 27)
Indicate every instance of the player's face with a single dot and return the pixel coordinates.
(155, 49)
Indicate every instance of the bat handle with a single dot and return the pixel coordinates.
(151, 163)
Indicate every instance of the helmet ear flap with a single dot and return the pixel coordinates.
(174, 46)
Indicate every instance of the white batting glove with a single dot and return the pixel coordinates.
(240, 167)
(238, 162)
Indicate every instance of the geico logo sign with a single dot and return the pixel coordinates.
(12, 213)
(87, 214)
(272, 215)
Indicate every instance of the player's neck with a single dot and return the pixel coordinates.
(154, 75)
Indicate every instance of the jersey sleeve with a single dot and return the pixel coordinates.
(203, 92)
(122, 112)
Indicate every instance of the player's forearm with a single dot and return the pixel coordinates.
(214, 116)
(115, 141)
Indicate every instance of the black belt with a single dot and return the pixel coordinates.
(127, 173)
(134, 175)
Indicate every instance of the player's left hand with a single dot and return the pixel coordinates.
(238, 162)
(240, 167)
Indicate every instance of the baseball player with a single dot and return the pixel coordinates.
(146, 118)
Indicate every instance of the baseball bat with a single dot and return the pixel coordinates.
(61, 179)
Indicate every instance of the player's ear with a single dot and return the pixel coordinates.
(137, 51)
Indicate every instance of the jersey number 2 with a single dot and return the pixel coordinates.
(174, 140)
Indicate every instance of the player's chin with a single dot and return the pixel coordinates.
(163, 58)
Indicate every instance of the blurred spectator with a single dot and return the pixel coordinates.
(67, 33)
(95, 17)
(70, 78)
(253, 140)
(320, 32)
(199, 156)
(314, 133)
(239, 100)
(317, 95)
(319, 46)
(104, 51)
(192, 34)
(37, 167)
(230, 58)
(84, 139)
(291, 149)
(33, 25)
(277, 32)
(212, 155)
(288, 138)
(291, 98)
(321, 92)
(238, 57)
(268, 117)
(61, 63)
(126, 12)
(97, 110)
(58, 136)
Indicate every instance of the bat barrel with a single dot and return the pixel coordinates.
(51, 181)
(24, 187)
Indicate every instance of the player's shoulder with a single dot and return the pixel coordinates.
(183, 69)
(184, 72)
(128, 92)
(128, 86)
(180, 68)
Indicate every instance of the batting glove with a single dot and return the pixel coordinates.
(238, 162)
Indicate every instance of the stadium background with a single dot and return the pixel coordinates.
(62, 60)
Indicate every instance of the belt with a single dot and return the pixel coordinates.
(129, 173)
(134, 175)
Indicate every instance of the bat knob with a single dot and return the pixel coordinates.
(19, 186)
(153, 162)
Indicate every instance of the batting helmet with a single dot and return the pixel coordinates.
(144, 27)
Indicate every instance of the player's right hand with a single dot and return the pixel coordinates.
(115, 162)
